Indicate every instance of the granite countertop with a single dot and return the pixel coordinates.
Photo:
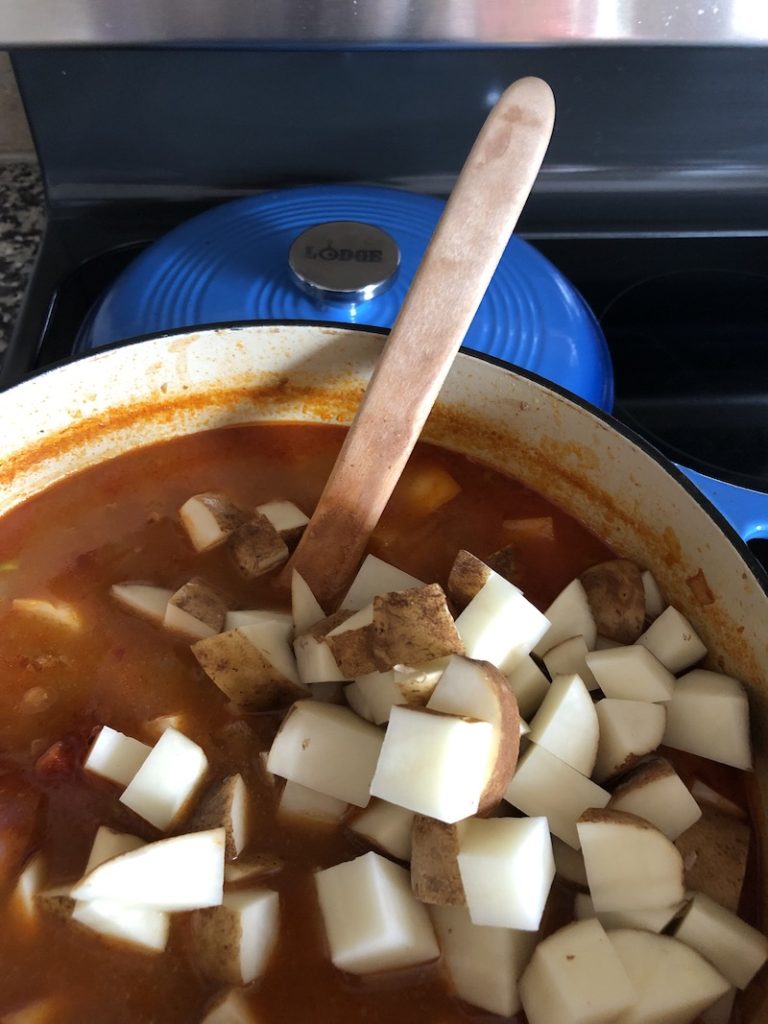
(21, 224)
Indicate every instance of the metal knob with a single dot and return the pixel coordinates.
(344, 261)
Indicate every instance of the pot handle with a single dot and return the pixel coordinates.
(746, 510)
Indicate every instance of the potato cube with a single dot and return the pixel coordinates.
(656, 792)
(108, 844)
(300, 802)
(257, 547)
(233, 942)
(616, 596)
(709, 715)
(385, 826)
(143, 599)
(566, 724)
(231, 1007)
(734, 948)
(673, 640)
(631, 673)
(467, 578)
(327, 748)
(143, 927)
(715, 851)
(569, 615)
(351, 644)
(435, 874)
(225, 806)
(433, 763)
(529, 685)
(376, 577)
(115, 756)
(209, 519)
(373, 921)
(413, 626)
(287, 519)
(195, 611)
(167, 780)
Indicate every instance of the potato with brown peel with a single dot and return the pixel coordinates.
(351, 644)
(467, 578)
(233, 942)
(505, 562)
(209, 519)
(413, 626)
(224, 805)
(617, 598)
(195, 611)
(257, 547)
(714, 852)
(435, 876)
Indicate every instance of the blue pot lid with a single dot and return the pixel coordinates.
(233, 263)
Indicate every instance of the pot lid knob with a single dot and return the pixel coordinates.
(344, 261)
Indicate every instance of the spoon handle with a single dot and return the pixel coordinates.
(452, 279)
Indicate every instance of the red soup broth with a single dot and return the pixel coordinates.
(119, 521)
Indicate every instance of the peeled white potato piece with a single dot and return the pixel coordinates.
(29, 884)
(115, 756)
(733, 947)
(181, 873)
(108, 844)
(654, 600)
(305, 608)
(233, 942)
(224, 805)
(484, 964)
(314, 661)
(373, 922)
(529, 685)
(417, 683)
(500, 625)
(631, 673)
(654, 919)
(545, 786)
(155, 727)
(373, 695)
(434, 764)
(230, 1008)
(569, 615)
(143, 599)
(209, 519)
(576, 977)
(167, 780)
(477, 689)
(672, 983)
(54, 613)
(327, 748)
(507, 869)
(630, 864)
(569, 864)
(629, 729)
(253, 665)
(257, 616)
(287, 518)
(709, 715)
(566, 724)
(143, 927)
(673, 640)
(385, 826)
(656, 792)
(570, 658)
(376, 577)
(300, 802)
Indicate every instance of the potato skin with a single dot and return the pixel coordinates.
(617, 599)
(411, 627)
(435, 874)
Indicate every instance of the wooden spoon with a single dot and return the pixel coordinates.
(454, 274)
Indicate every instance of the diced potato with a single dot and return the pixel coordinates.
(652, 919)
(209, 519)
(376, 577)
(387, 827)
(617, 598)
(417, 683)
(54, 613)
(155, 727)
(230, 1008)
(162, 788)
(115, 756)
(569, 864)
(255, 867)
(372, 696)
(143, 599)
(507, 869)
(576, 977)
(435, 874)
(529, 685)
(434, 764)
(630, 864)
(545, 786)
(672, 983)
(352, 644)
(257, 547)
(257, 616)
(287, 519)
(714, 852)
(656, 792)
(499, 625)
(703, 793)
(373, 921)
(413, 626)
(56, 901)
(654, 600)
(314, 661)
(734, 948)
(29, 884)
(305, 608)
(477, 689)
(422, 490)
(568, 615)
(566, 724)
(631, 673)
(143, 927)
(253, 665)
(181, 873)
(673, 640)
(570, 658)
(107, 843)
(300, 802)
(505, 562)
(484, 964)
(327, 748)
(195, 611)
(224, 805)
(467, 578)
(233, 942)
(629, 729)
(709, 715)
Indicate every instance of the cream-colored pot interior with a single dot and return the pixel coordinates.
(94, 409)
